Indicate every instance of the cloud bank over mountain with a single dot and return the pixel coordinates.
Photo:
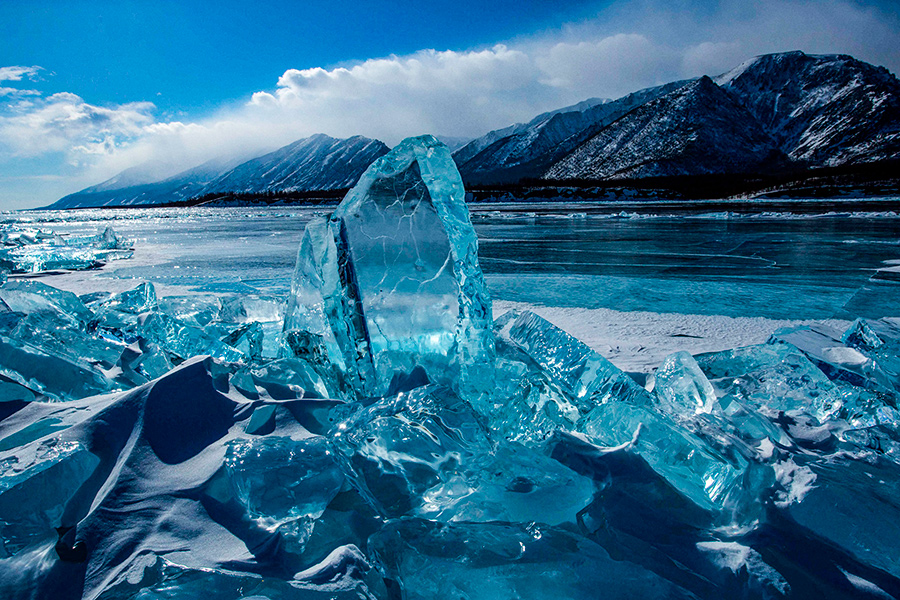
(461, 93)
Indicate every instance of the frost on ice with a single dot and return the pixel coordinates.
(376, 435)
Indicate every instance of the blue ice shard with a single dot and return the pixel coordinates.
(33, 251)
(183, 341)
(879, 341)
(285, 484)
(33, 297)
(681, 388)
(485, 561)
(46, 373)
(134, 301)
(428, 453)
(584, 376)
(595, 398)
(311, 310)
(849, 504)
(685, 394)
(35, 485)
(772, 377)
(396, 267)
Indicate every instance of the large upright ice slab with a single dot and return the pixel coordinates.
(397, 270)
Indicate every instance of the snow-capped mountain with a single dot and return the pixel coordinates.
(529, 149)
(777, 111)
(315, 163)
(121, 191)
(318, 162)
(823, 110)
(787, 111)
(695, 130)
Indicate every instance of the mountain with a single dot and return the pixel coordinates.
(774, 115)
(777, 112)
(824, 110)
(121, 191)
(696, 129)
(148, 172)
(315, 163)
(529, 149)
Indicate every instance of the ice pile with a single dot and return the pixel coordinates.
(401, 445)
(36, 250)
(56, 346)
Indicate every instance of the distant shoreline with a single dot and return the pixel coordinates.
(864, 187)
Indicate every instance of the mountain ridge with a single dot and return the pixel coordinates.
(775, 113)
(318, 162)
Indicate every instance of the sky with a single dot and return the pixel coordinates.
(90, 88)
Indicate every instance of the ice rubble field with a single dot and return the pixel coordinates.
(387, 438)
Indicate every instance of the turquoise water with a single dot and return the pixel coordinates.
(777, 267)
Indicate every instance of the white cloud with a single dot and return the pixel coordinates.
(65, 123)
(17, 73)
(15, 92)
(458, 93)
(616, 64)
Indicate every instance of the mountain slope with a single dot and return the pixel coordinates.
(527, 150)
(778, 111)
(315, 163)
(182, 186)
(319, 162)
(824, 110)
(697, 129)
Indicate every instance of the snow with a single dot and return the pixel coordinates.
(638, 341)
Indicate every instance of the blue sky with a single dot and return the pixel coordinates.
(90, 88)
(190, 57)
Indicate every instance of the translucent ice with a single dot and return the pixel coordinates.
(285, 484)
(33, 251)
(397, 269)
(584, 376)
(33, 297)
(848, 362)
(878, 341)
(773, 377)
(848, 503)
(46, 373)
(604, 403)
(36, 482)
(502, 560)
(428, 453)
(134, 301)
(310, 312)
(681, 388)
(184, 341)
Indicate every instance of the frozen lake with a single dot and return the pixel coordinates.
(719, 282)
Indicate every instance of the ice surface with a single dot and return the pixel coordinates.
(879, 344)
(681, 388)
(772, 378)
(427, 453)
(376, 437)
(284, 484)
(36, 483)
(481, 561)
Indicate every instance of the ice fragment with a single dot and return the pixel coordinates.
(396, 266)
